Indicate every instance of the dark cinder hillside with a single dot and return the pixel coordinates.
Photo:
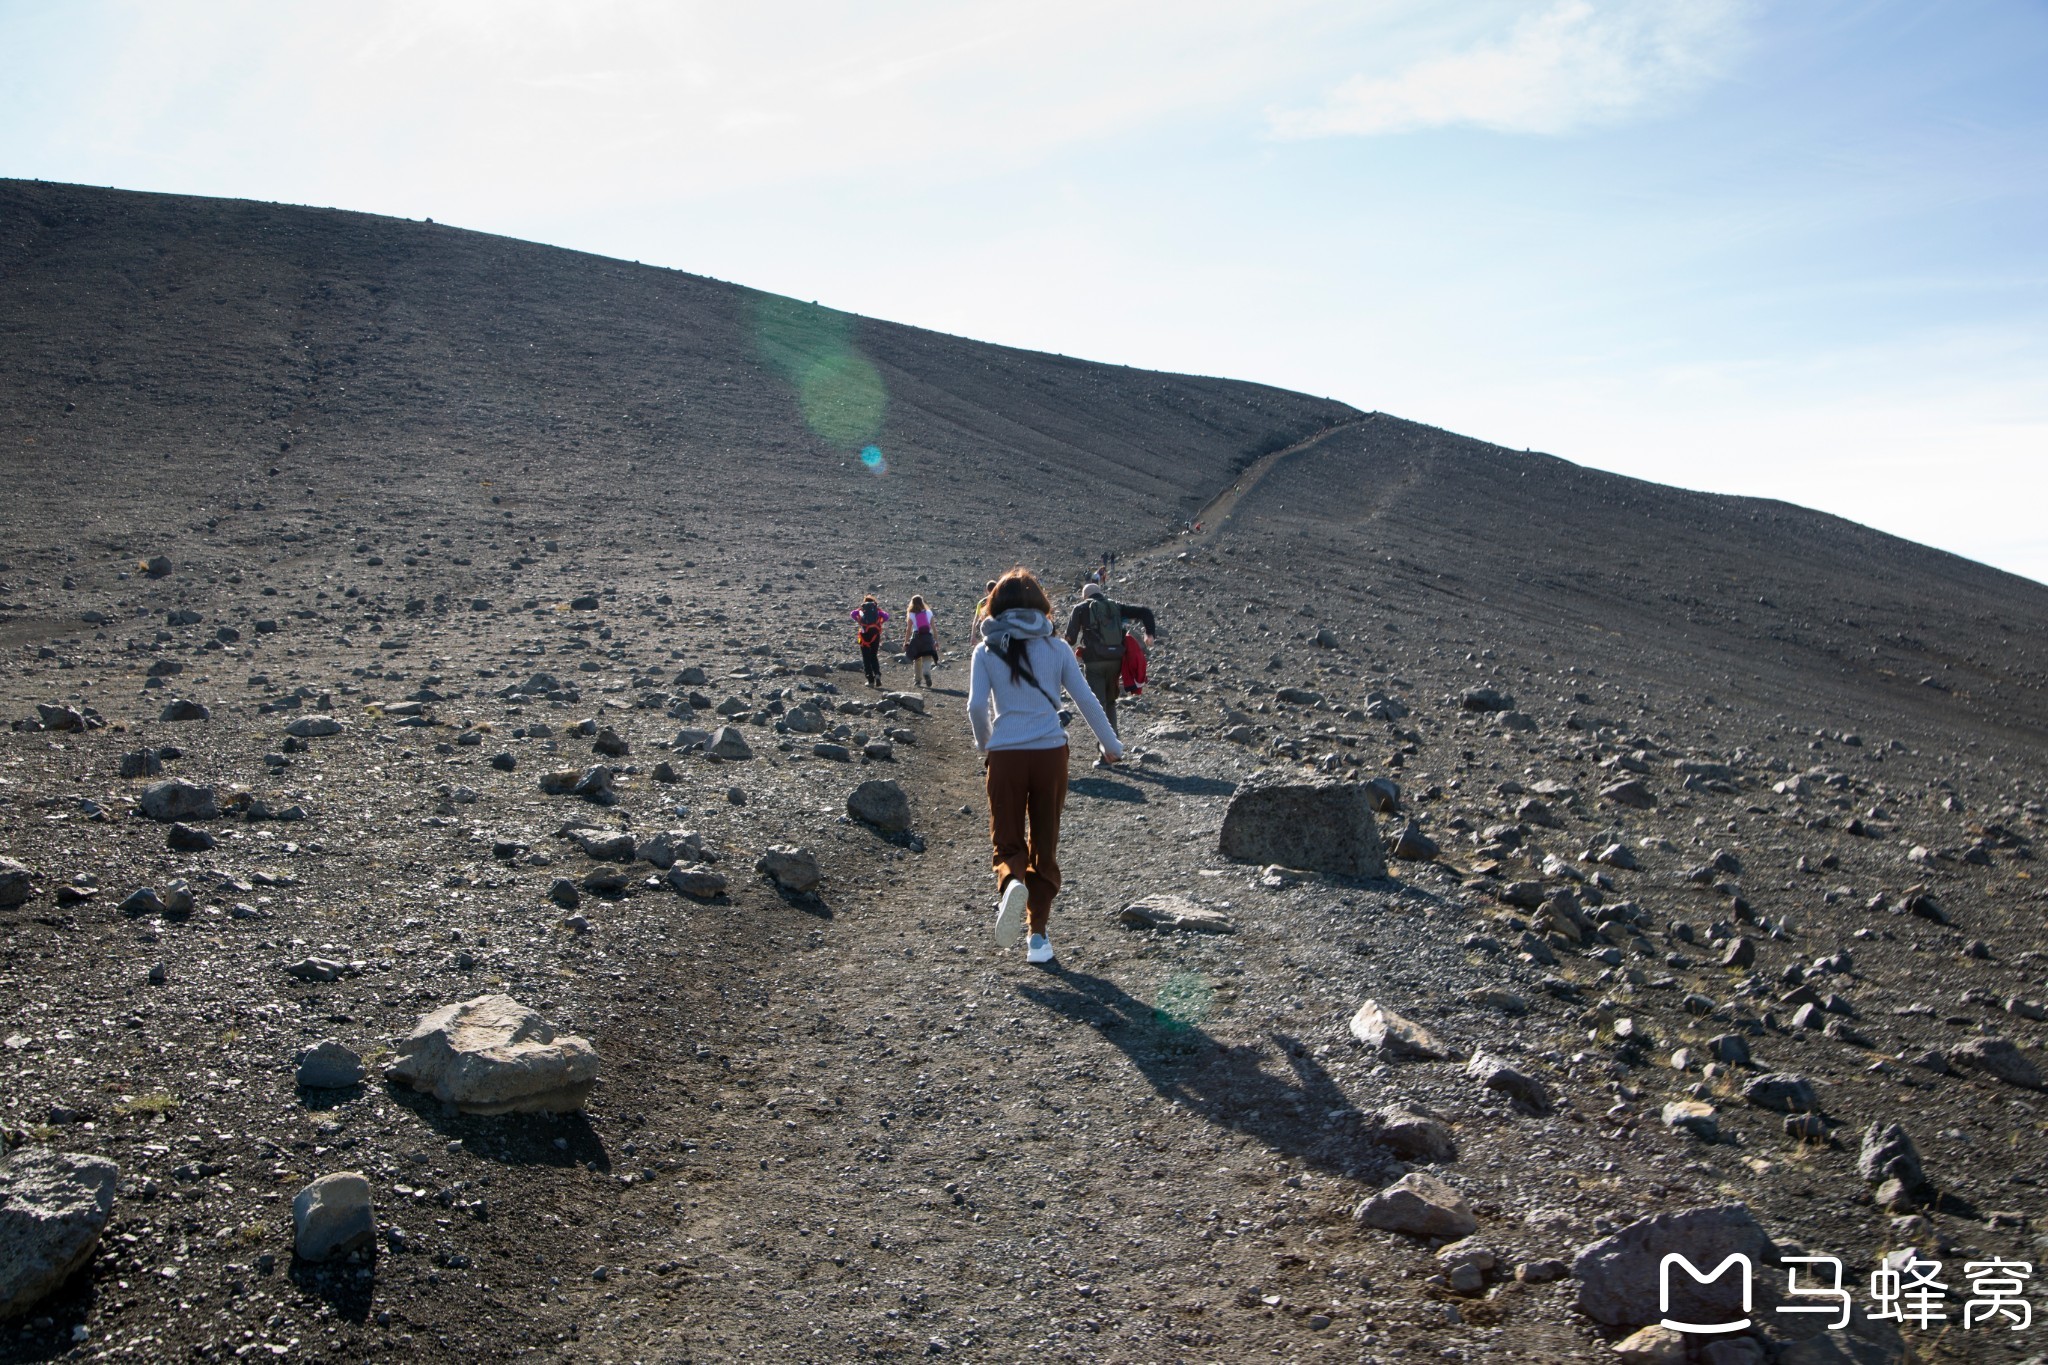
(1710, 898)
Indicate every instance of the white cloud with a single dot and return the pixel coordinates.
(1576, 64)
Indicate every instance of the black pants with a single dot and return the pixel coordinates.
(871, 661)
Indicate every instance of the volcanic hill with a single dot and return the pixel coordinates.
(1712, 822)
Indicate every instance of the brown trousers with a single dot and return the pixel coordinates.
(1028, 787)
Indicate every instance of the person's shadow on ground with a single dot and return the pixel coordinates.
(1302, 1113)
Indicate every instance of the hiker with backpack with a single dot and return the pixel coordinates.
(868, 619)
(1015, 679)
(918, 645)
(1096, 630)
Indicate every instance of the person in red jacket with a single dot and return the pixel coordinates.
(868, 620)
(1134, 665)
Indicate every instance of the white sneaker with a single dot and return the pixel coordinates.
(1010, 914)
(1039, 949)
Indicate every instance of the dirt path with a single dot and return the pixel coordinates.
(1216, 512)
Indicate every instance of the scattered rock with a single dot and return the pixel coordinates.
(332, 1217)
(793, 869)
(141, 763)
(1997, 1058)
(183, 708)
(1419, 1205)
(696, 880)
(606, 845)
(1628, 792)
(320, 969)
(593, 784)
(728, 743)
(1731, 1048)
(17, 884)
(1694, 1116)
(1495, 1074)
(59, 717)
(667, 847)
(329, 1065)
(1416, 1137)
(1618, 1275)
(1652, 1345)
(178, 800)
(314, 727)
(182, 838)
(1318, 824)
(882, 804)
(1395, 1037)
(1486, 699)
(493, 1055)
(1168, 911)
(1784, 1092)
(53, 1207)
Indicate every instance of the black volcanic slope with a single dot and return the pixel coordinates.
(236, 347)
(1768, 787)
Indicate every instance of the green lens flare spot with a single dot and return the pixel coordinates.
(872, 457)
(1183, 1002)
(842, 398)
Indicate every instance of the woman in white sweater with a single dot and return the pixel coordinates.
(1014, 682)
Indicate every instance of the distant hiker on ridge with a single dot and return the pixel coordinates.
(1096, 629)
(981, 607)
(918, 645)
(1019, 671)
(868, 619)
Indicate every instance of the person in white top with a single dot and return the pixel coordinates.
(1015, 679)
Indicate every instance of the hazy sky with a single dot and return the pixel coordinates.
(1790, 250)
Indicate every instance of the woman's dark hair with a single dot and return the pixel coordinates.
(1018, 589)
(916, 602)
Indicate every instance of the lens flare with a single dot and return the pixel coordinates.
(1183, 1002)
(838, 389)
(871, 456)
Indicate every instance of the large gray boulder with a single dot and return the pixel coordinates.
(880, 803)
(1298, 821)
(1618, 1275)
(1784, 1092)
(332, 1217)
(1419, 1205)
(791, 868)
(728, 743)
(53, 1207)
(177, 800)
(493, 1055)
(1999, 1059)
(17, 883)
(314, 727)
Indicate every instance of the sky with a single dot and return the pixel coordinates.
(1796, 251)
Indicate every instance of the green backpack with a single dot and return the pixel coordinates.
(1102, 632)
